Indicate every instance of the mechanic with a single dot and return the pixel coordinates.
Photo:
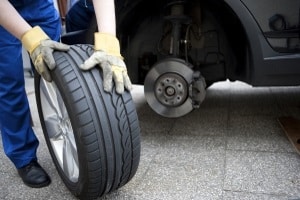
(35, 24)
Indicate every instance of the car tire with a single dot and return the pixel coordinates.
(93, 136)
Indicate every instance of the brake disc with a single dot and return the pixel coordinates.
(166, 88)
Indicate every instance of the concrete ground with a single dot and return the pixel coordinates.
(231, 148)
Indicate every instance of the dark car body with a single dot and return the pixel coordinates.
(178, 48)
(241, 39)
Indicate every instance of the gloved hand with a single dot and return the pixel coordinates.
(40, 48)
(107, 56)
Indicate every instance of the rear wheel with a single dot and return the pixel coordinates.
(92, 135)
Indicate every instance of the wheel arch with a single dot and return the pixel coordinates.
(238, 67)
(238, 38)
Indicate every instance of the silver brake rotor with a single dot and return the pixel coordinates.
(166, 88)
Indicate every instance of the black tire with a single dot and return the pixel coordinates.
(105, 127)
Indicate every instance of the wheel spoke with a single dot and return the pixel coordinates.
(51, 124)
(70, 137)
(51, 96)
(70, 164)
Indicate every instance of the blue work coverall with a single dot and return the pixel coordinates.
(19, 141)
(79, 16)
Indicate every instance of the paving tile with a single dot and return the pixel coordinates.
(5, 163)
(257, 133)
(231, 148)
(228, 195)
(218, 95)
(287, 99)
(169, 174)
(252, 101)
(5, 180)
(262, 173)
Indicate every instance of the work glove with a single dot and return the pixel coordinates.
(40, 49)
(107, 56)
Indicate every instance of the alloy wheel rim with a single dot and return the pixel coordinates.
(59, 129)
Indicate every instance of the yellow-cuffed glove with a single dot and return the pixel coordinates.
(40, 48)
(107, 56)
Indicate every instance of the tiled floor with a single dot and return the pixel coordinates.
(231, 148)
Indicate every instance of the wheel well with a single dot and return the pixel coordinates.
(236, 36)
(231, 35)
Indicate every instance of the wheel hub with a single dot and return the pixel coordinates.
(171, 89)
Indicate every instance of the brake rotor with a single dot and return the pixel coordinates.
(166, 88)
